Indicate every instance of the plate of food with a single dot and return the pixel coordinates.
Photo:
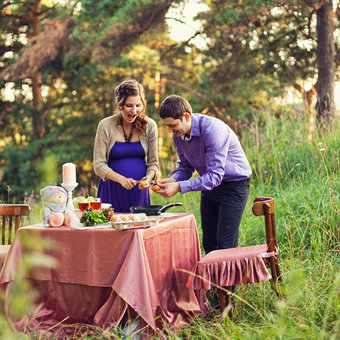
(106, 218)
(94, 219)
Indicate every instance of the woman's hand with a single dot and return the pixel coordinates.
(143, 184)
(127, 183)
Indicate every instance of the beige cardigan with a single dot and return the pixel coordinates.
(106, 137)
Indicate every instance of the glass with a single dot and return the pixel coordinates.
(97, 204)
(83, 206)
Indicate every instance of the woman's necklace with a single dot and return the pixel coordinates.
(127, 138)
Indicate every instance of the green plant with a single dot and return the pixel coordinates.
(303, 177)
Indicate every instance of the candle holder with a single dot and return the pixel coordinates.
(69, 187)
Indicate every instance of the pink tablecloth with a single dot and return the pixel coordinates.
(102, 271)
(4, 249)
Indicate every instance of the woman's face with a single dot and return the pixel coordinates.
(132, 107)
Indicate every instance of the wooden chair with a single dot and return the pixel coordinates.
(10, 222)
(225, 268)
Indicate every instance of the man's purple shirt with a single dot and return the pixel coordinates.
(214, 151)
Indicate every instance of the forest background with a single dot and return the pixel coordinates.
(266, 68)
(60, 61)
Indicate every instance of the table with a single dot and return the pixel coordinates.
(102, 272)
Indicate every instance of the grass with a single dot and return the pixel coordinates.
(303, 177)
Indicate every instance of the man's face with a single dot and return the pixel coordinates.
(179, 127)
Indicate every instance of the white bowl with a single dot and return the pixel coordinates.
(106, 205)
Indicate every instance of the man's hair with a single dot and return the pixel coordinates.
(174, 107)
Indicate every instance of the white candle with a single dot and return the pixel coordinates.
(69, 173)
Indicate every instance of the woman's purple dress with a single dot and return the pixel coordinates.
(127, 159)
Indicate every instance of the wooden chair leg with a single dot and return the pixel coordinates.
(276, 276)
(228, 294)
(227, 310)
(221, 299)
(278, 272)
(224, 299)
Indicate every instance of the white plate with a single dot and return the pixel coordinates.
(106, 205)
(80, 226)
(168, 214)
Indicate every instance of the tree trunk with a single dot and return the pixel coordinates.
(326, 64)
(38, 120)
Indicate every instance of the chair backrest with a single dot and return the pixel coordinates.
(10, 213)
(264, 206)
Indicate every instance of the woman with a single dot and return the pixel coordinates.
(126, 150)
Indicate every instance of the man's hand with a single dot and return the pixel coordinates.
(166, 180)
(169, 188)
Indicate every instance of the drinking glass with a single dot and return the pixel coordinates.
(97, 204)
(82, 206)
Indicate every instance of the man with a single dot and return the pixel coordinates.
(209, 146)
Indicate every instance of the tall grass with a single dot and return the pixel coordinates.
(303, 177)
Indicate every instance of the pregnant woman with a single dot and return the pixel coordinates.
(126, 150)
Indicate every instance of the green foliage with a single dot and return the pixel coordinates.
(233, 76)
(308, 311)
(21, 292)
(96, 17)
(93, 217)
(254, 49)
(307, 204)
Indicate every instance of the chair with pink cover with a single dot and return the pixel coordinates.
(225, 268)
(10, 222)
